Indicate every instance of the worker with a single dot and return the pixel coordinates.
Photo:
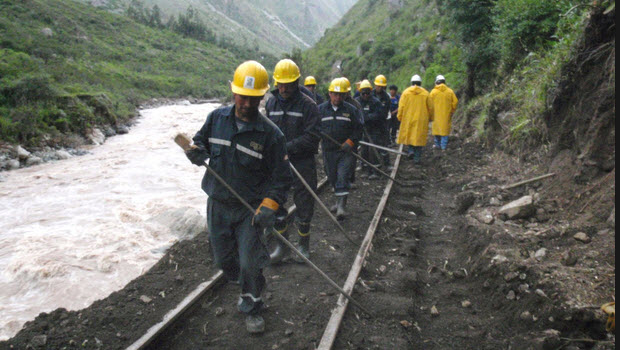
(374, 126)
(249, 152)
(310, 84)
(444, 103)
(297, 115)
(349, 99)
(383, 136)
(414, 113)
(393, 123)
(341, 121)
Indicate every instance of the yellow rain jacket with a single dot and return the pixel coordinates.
(444, 103)
(414, 113)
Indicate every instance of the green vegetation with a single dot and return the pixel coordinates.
(66, 66)
(499, 55)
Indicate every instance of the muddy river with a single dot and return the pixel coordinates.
(76, 230)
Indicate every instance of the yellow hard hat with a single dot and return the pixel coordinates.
(347, 83)
(381, 80)
(286, 71)
(251, 79)
(338, 85)
(310, 81)
(365, 85)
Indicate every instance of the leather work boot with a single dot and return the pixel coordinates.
(342, 204)
(255, 324)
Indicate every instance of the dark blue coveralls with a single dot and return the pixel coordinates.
(254, 162)
(375, 126)
(357, 105)
(298, 118)
(342, 123)
(384, 140)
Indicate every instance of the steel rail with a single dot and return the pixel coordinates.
(333, 326)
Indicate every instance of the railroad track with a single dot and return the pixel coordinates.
(216, 282)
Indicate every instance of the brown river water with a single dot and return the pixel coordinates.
(76, 230)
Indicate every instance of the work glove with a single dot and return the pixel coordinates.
(347, 146)
(197, 155)
(265, 215)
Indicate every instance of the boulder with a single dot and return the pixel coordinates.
(582, 237)
(570, 258)
(485, 217)
(22, 153)
(522, 208)
(122, 130)
(12, 164)
(96, 137)
(62, 154)
(47, 32)
(33, 161)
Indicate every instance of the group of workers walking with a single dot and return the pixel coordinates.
(258, 154)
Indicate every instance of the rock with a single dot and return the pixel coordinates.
(12, 164)
(96, 137)
(219, 312)
(511, 276)
(541, 293)
(612, 218)
(108, 131)
(122, 130)
(434, 311)
(145, 299)
(184, 103)
(524, 288)
(541, 254)
(33, 161)
(582, 237)
(552, 339)
(39, 341)
(288, 332)
(495, 202)
(466, 304)
(511, 295)
(485, 217)
(62, 154)
(526, 316)
(464, 201)
(499, 259)
(522, 208)
(22, 153)
(47, 32)
(569, 258)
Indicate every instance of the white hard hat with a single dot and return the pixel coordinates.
(440, 77)
(416, 78)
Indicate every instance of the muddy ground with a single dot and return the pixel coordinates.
(437, 277)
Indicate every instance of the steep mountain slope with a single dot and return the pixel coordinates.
(66, 67)
(274, 26)
(397, 38)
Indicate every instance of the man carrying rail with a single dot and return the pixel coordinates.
(249, 151)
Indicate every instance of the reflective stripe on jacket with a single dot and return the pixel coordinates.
(342, 124)
(252, 160)
(298, 118)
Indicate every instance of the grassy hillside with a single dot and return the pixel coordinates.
(504, 58)
(271, 26)
(66, 66)
(394, 38)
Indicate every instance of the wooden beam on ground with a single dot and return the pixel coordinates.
(539, 178)
(333, 326)
(174, 314)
